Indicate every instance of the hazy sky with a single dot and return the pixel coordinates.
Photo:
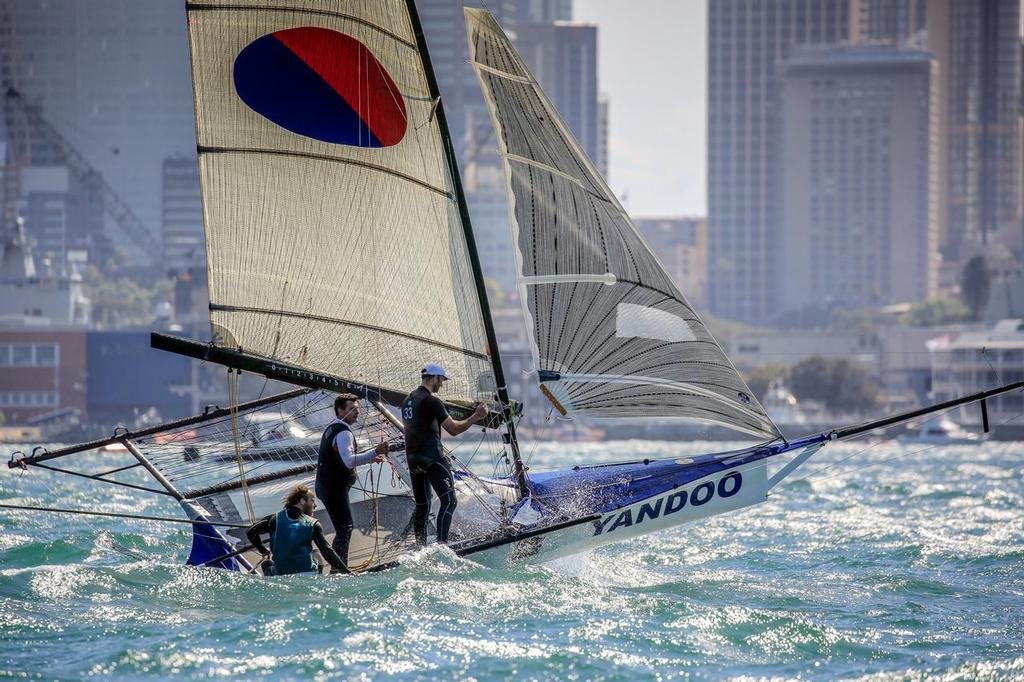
(651, 64)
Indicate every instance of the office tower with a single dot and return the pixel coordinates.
(745, 40)
(445, 29)
(860, 141)
(113, 79)
(563, 58)
(977, 43)
(182, 214)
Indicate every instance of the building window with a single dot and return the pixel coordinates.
(29, 355)
(21, 354)
(46, 355)
(27, 398)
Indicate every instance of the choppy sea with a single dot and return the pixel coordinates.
(897, 562)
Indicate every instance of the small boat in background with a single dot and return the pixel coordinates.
(942, 432)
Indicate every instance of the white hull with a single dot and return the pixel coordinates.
(743, 486)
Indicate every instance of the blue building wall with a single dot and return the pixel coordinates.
(126, 377)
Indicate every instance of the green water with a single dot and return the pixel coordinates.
(907, 565)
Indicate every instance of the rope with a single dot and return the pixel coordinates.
(233, 388)
(118, 515)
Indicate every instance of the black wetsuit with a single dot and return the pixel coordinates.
(423, 413)
(269, 523)
(333, 480)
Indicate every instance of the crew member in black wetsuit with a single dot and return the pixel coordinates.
(424, 414)
(336, 469)
(293, 531)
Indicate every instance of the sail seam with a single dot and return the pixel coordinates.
(562, 174)
(605, 278)
(195, 7)
(504, 74)
(202, 149)
(219, 307)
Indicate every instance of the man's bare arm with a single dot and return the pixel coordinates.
(455, 427)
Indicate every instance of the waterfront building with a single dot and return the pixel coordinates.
(860, 141)
(42, 372)
(974, 361)
(33, 296)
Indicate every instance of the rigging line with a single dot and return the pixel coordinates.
(233, 381)
(118, 515)
(96, 477)
(483, 503)
(984, 354)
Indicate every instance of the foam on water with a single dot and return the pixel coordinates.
(907, 565)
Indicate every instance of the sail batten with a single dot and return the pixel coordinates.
(611, 334)
(335, 239)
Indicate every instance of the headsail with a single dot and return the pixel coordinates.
(333, 232)
(611, 333)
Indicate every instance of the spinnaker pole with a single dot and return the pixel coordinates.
(507, 413)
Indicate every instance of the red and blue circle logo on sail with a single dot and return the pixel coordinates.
(322, 84)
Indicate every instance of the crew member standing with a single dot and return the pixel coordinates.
(423, 415)
(336, 469)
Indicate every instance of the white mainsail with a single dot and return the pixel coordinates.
(333, 232)
(610, 332)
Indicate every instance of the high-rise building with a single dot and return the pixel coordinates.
(860, 145)
(977, 43)
(184, 243)
(745, 41)
(562, 56)
(445, 29)
(113, 79)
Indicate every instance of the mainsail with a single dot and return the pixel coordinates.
(610, 333)
(333, 230)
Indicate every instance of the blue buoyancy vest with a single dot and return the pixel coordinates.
(292, 544)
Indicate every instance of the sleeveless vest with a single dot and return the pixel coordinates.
(331, 473)
(292, 544)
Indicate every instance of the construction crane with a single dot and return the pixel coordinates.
(24, 122)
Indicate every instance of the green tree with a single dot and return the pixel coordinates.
(936, 311)
(116, 302)
(840, 384)
(975, 286)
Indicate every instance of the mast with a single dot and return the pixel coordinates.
(519, 471)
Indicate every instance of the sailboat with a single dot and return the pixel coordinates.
(341, 259)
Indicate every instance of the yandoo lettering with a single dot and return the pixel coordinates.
(663, 506)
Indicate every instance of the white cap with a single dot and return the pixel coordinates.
(432, 369)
